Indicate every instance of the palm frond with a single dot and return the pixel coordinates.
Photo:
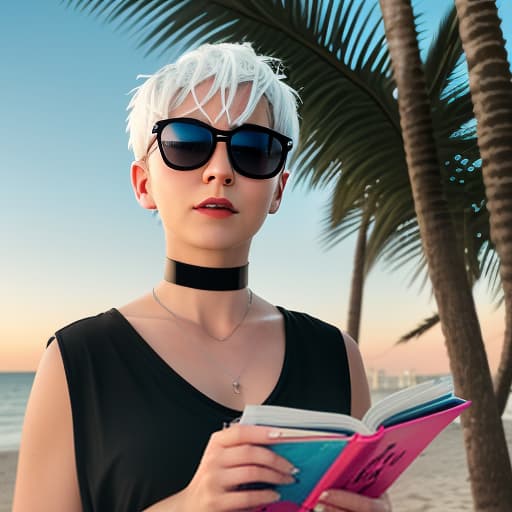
(443, 55)
(424, 326)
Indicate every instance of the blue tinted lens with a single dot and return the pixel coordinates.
(186, 146)
(256, 153)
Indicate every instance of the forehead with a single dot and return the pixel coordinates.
(220, 108)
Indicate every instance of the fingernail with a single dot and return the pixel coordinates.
(319, 508)
(294, 471)
(274, 434)
(324, 495)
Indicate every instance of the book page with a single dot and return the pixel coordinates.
(407, 399)
(287, 417)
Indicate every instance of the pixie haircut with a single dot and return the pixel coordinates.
(229, 65)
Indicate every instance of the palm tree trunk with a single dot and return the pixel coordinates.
(358, 278)
(504, 374)
(486, 448)
(491, 92)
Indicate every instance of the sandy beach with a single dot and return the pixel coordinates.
(7, 476)
(436, 482)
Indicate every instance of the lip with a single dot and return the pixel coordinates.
(219, 201)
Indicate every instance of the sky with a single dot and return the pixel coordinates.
(74, 242)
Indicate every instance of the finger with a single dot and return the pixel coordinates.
(248, 500)
(245, 434)
(351, 502)
(248, 454)
(326, 508)
(233, 478)
(323, 507)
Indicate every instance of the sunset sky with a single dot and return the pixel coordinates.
(74, 241)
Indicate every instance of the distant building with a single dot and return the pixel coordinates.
(379, 380)
(407, 378)
(424, 378)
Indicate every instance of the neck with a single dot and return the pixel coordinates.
(206, 278)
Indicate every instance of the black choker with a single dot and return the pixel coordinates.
(206, 278)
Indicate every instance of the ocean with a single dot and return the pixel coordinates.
(14, 391)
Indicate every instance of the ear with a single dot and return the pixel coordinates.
(141, 185)
(278, 194)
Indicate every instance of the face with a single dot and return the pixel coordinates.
(195, 232)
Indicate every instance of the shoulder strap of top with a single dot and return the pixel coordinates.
(320, 363)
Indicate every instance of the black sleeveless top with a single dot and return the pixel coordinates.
(140, 429)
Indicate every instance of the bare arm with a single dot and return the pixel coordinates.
(360, 398)
(46, 476)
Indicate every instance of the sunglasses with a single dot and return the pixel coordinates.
(253, 151)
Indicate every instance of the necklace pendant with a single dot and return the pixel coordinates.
(236, 387)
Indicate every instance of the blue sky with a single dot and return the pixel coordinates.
(74, 241)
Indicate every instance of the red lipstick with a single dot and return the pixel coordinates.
(217, 207)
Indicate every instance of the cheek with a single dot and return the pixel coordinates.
(168, 185)
(258, 203)
(258, 210)
(170, 199)
(261, 194)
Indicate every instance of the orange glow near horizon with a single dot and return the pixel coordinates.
(426, 355)
(21, 353)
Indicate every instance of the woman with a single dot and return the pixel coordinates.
(128, 407)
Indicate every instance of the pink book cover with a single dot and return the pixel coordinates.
(369, 464)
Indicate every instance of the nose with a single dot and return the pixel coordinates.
(219, 167)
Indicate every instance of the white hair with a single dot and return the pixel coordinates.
(229, 65)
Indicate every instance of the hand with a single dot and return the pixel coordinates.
(335, 500)
(234, 457)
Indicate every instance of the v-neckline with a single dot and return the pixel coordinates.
(169, 372)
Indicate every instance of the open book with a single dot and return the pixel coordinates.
(364, 456)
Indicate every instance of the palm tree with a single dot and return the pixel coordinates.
(488, 459)
(491, 89)
(358, 277)
(390, 223)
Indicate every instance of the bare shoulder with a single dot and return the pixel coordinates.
(264, 311)
(141, 306)
(46, 475)
(360, 398)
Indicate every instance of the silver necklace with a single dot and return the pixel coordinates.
(183, 319)
(235, 380)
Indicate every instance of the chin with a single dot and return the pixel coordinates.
(220, 245)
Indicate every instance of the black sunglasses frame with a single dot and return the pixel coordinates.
(223, 136)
